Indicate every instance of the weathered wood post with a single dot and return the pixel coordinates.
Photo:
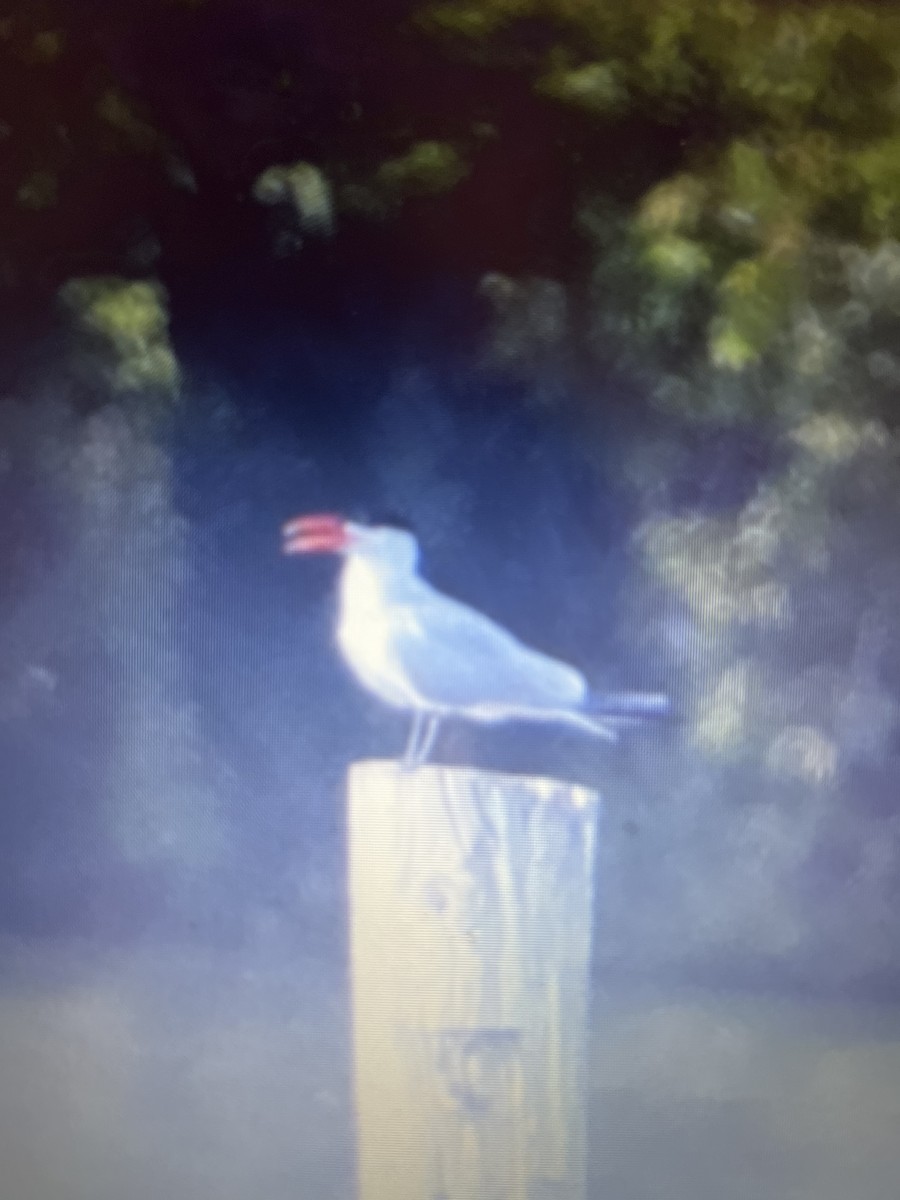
(471, 898)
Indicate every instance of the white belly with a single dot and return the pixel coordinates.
(366, 648)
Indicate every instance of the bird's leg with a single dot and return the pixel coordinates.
(410, 754)
(428, 739)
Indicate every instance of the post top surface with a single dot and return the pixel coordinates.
(427, 777)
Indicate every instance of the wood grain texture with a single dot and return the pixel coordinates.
(471, 901)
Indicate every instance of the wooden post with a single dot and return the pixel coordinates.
(471, 898)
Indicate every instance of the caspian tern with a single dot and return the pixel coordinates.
(421, 651)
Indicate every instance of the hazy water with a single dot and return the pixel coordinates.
(189, 1074)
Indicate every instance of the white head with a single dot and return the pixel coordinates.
(326, 533)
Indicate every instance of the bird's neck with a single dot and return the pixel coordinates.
(366, 586)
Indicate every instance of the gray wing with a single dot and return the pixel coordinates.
(456, 658)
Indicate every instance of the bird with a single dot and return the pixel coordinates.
(424, 652)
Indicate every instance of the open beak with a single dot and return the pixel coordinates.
(319, 533)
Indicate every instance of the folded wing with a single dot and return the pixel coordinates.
(460, 661)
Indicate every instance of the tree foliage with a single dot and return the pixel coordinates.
(788, 118)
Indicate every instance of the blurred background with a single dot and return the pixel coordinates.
(605, 301)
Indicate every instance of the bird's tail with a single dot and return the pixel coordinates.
(629, 707)
(605, 714)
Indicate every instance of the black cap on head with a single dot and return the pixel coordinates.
(391, 518)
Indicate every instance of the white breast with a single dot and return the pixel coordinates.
(366, 635)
